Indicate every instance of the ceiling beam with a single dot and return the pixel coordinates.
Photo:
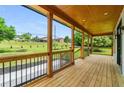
(103, 34)
(56, 11)
(118, 21)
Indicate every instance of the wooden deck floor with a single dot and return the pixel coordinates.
(93, 71)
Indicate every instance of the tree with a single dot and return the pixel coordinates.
(99, 41)
(78, 38)
(26, 36)
(66, 39)
(102, 41)
(6, 32)
(36, 39)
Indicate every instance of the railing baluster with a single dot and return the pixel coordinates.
(34, 67)
(21, 72)
(37, 67)
(10, 72)
(46, 64)
(40, 66)
(56, 60)
(3, 75)
(60, 60)
(53, 63)
(26, 71)
(30, 69)
(16, 72)
(43, 65)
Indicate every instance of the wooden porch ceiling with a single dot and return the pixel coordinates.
(93, 19)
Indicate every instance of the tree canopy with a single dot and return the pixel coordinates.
(98, 41)
(66, 39)
(78, 38)
(26, 36)
(6, 32)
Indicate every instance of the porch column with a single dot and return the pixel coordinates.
(115, 46)
(91, 43)
(88, 45)
(50, 65)
(122, 56)
(112, 48)
(72, 46)
(122, 51)
(82, 46)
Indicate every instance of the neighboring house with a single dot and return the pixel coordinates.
(60, 40)
(43, 39)
(17, 38)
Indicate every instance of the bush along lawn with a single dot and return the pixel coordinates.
(102, 50)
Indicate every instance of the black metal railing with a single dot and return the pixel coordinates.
(21, 69)
(61, 59)
(18, 70)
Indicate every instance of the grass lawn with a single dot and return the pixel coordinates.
(96, 50)
(77, 52)
(8, 48)
(102, 51)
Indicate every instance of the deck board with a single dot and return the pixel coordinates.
(93, 71)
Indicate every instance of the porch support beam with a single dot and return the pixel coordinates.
(112, 48)
(88, 45)
(72, 45)
(82, 46)
(122, 42)
(91, 43)
(49, 41)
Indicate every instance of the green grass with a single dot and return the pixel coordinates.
(77, 53)
(102, 50)
(16, 48)
(8, 48)
(96, 50)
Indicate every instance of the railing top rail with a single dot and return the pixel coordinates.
(20, 57)
(26, 56)
(77, 50)
(63, 51)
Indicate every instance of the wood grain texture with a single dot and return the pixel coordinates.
(95, 20)
(93, 71)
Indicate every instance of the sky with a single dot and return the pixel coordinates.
(25, 20)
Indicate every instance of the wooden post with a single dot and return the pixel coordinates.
(49, 41)
(112, 48)
(88, 45)
(91, 49)
(72, 46)
(82, 46)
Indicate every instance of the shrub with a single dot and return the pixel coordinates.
(97, 50)
(21, 50)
